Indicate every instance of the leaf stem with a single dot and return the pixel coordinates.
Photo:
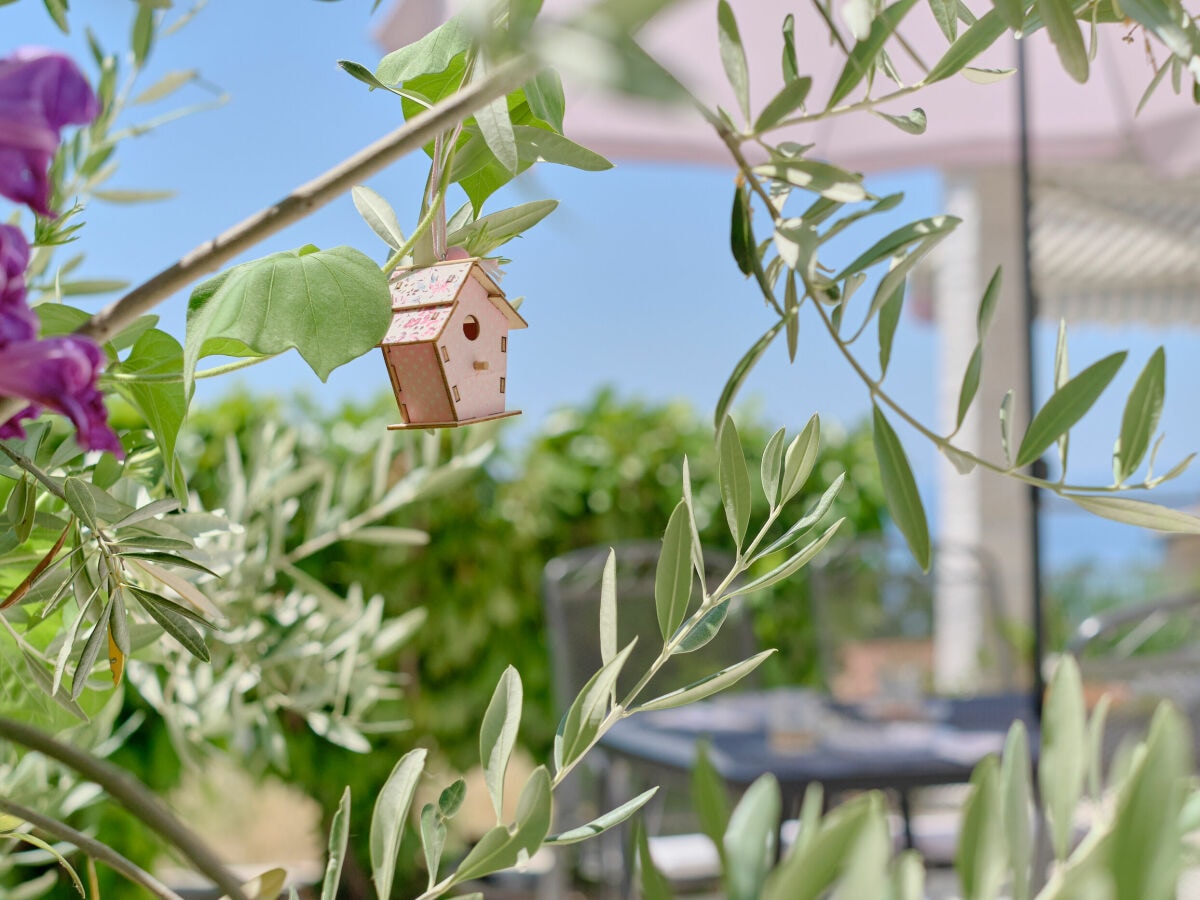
(233, 366)
(833, 32)
(875, 387)
(32, 468)
(92, 847)
(171, 378)
(910, 50)
(867, 103)
(732, 142)
(940, 442)
(423, 226)
(748, 553)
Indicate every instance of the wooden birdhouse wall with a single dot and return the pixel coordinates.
(420, 387)
(476, 339)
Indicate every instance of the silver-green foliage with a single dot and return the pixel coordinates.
(293, 645)
(252, 633)
(687, 625)
(807, 202)
(276, 640)
(1129, 840)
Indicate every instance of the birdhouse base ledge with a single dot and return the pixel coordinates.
(410, 426)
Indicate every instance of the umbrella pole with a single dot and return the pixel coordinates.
(1029, 314)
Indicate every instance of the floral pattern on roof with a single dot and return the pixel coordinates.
(435, 284)
(421, 324)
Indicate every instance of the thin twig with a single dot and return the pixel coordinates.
(844, 109)
(92, 847)
(911, 51)
(28, 464)
(834, 35)
(422, 226)
(307, 198)
(134, 796)
(735, 150)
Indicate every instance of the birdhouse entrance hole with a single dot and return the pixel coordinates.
(471, 327)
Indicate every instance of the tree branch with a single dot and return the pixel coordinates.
(92, 847)
(134, 796)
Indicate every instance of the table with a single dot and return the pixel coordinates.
(852, 751)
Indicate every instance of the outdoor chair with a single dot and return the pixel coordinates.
(571, 596)
(875, 612)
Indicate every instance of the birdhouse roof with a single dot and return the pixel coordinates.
(418, 324)
(437, 288)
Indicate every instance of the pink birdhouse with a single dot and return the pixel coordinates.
(447, 348)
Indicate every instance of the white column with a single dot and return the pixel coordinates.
(982, 518)
(957, 615)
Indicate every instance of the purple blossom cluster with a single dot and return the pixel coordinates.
(40, 93)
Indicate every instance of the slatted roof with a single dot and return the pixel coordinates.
(1116, 243)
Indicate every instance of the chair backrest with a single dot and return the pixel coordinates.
(571, 594)
(876, 614)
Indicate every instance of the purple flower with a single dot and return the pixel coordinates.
(59, 373)
(17, 320)
(40, 92)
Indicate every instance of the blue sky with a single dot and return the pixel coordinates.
(630, 283)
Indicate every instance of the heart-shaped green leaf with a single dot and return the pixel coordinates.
(330, 305)
(432, 53)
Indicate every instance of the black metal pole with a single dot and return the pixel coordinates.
(1029, 315)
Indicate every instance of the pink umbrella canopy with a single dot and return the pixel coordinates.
(970, 124)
